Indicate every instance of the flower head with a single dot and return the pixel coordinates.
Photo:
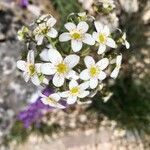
(59, 67)
(22, 33)
(102, 36)
(94, 71)
(45, 29)
(30, 69)
(77, 35)
(75, 91)
(115, 72)
(107, 3)
(52, 100)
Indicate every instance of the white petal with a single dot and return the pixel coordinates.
(106, 30)
(70, 26)
(44, 100)
(93, 83)
(83, 26)
(45, 81)
(21, 65)
(72, 60)
(88, 39)
(84, 75)
(30, 57)
(64, 37)
(55, 96)
(127, 44)
(42, 95)
(56, 105)
(26, 76)
(103, 63)
(51, 22)
(84, 85)
(73, 83)
(38, 67)
(115, 73)
(101, 49)
(35, 80)
(95, 36)
(71, 100)
(48, 69)
(64, 94)
(39, 39)
(119, 60)
(111, 43)
(44, 55)
(54, 56)
(76, 45)
(52, 33)
(98, 26)
(59, 106)
(102, 75)
(89, 61)
(58, 80)
(72, 75)
(83, 94)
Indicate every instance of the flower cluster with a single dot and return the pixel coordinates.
(75, 61)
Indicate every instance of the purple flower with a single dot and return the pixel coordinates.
(35, 111)
(23, 3)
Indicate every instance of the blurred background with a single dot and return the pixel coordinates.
(117, 120)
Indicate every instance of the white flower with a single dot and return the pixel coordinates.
(107, 3)
(102, 37)
(77, 35)
(22, 33)
(75, 91)
(115, 72)
(60, 68)
(30, 69)
(94, 71)
(45, 29)
(125, 42)
(52, 100)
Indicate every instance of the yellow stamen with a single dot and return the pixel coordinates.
(62, 68)
(44, 30)
(31, 69)
(74, 90)
(76, 35)
(50, 100)
(94, 71)
(102, 38)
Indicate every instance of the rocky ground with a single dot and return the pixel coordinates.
(14, 94)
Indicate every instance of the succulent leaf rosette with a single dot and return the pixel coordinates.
(74, 61)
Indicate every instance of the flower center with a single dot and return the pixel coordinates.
(50, 100)
(31, 69)
(44, 30)
(76, 35)
(94, 71)
(62, 68)
(74, 90)
(102, 38)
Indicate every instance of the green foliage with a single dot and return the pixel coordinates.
(18, 133)
(65, 7)
(129, 105)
